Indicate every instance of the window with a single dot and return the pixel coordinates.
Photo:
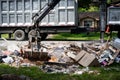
(71, 15)
(27, 17)
(43, 3)
(4, 5)
(12, 18)
(27, 4)
(62, 15)
(62, 3)
(19, 5)
(19, 18)
(70, 3)
(4, 18)
(114, 16)
(11, 6)
(35, 5)
(88, 23)
(51, 17)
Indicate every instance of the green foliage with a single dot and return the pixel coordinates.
(108, 1)
(82, 9)
(93, 8)
(84, 3)
(5, 35)
(88, 5)
(90, 9)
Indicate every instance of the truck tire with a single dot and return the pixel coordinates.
(31, 33)
(19, 35)
(43, 36)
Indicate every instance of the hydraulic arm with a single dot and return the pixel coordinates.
(42, 13)
(37, 18)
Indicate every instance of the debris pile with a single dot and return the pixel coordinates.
(63, 68)
(94, 54)
(65, 58)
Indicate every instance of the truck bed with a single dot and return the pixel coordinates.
(18, 13)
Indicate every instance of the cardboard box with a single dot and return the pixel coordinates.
(71, 55)
(80, 55)
(112, 49)
(89, 60)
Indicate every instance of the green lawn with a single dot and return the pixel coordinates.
(81, 36)
(106, 73)
(5, 36)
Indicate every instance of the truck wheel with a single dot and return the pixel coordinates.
(43, 36)
(31, 33)
(19, 35)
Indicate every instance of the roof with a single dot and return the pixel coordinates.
(115, 3)
(94, 15)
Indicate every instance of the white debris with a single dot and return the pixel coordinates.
(8, 60)
(78, 72)
(12, 48)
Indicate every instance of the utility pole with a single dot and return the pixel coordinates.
(103, 10)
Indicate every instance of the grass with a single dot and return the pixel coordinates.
(5, 35)
(81, 36)
(107, 73)
(69, 36)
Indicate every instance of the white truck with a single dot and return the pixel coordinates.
(113, 19)
(16, 17)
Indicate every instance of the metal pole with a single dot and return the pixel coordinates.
(102, 19)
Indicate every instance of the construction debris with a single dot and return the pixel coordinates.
(55, 57)
(72, 69)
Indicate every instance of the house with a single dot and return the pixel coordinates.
(92, 19)
(89, 19)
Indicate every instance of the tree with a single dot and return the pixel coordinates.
(87, 5)
(90, 5)
(115, 0)
(84, 3)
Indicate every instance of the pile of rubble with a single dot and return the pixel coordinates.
(65, 58)
(97, 54)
